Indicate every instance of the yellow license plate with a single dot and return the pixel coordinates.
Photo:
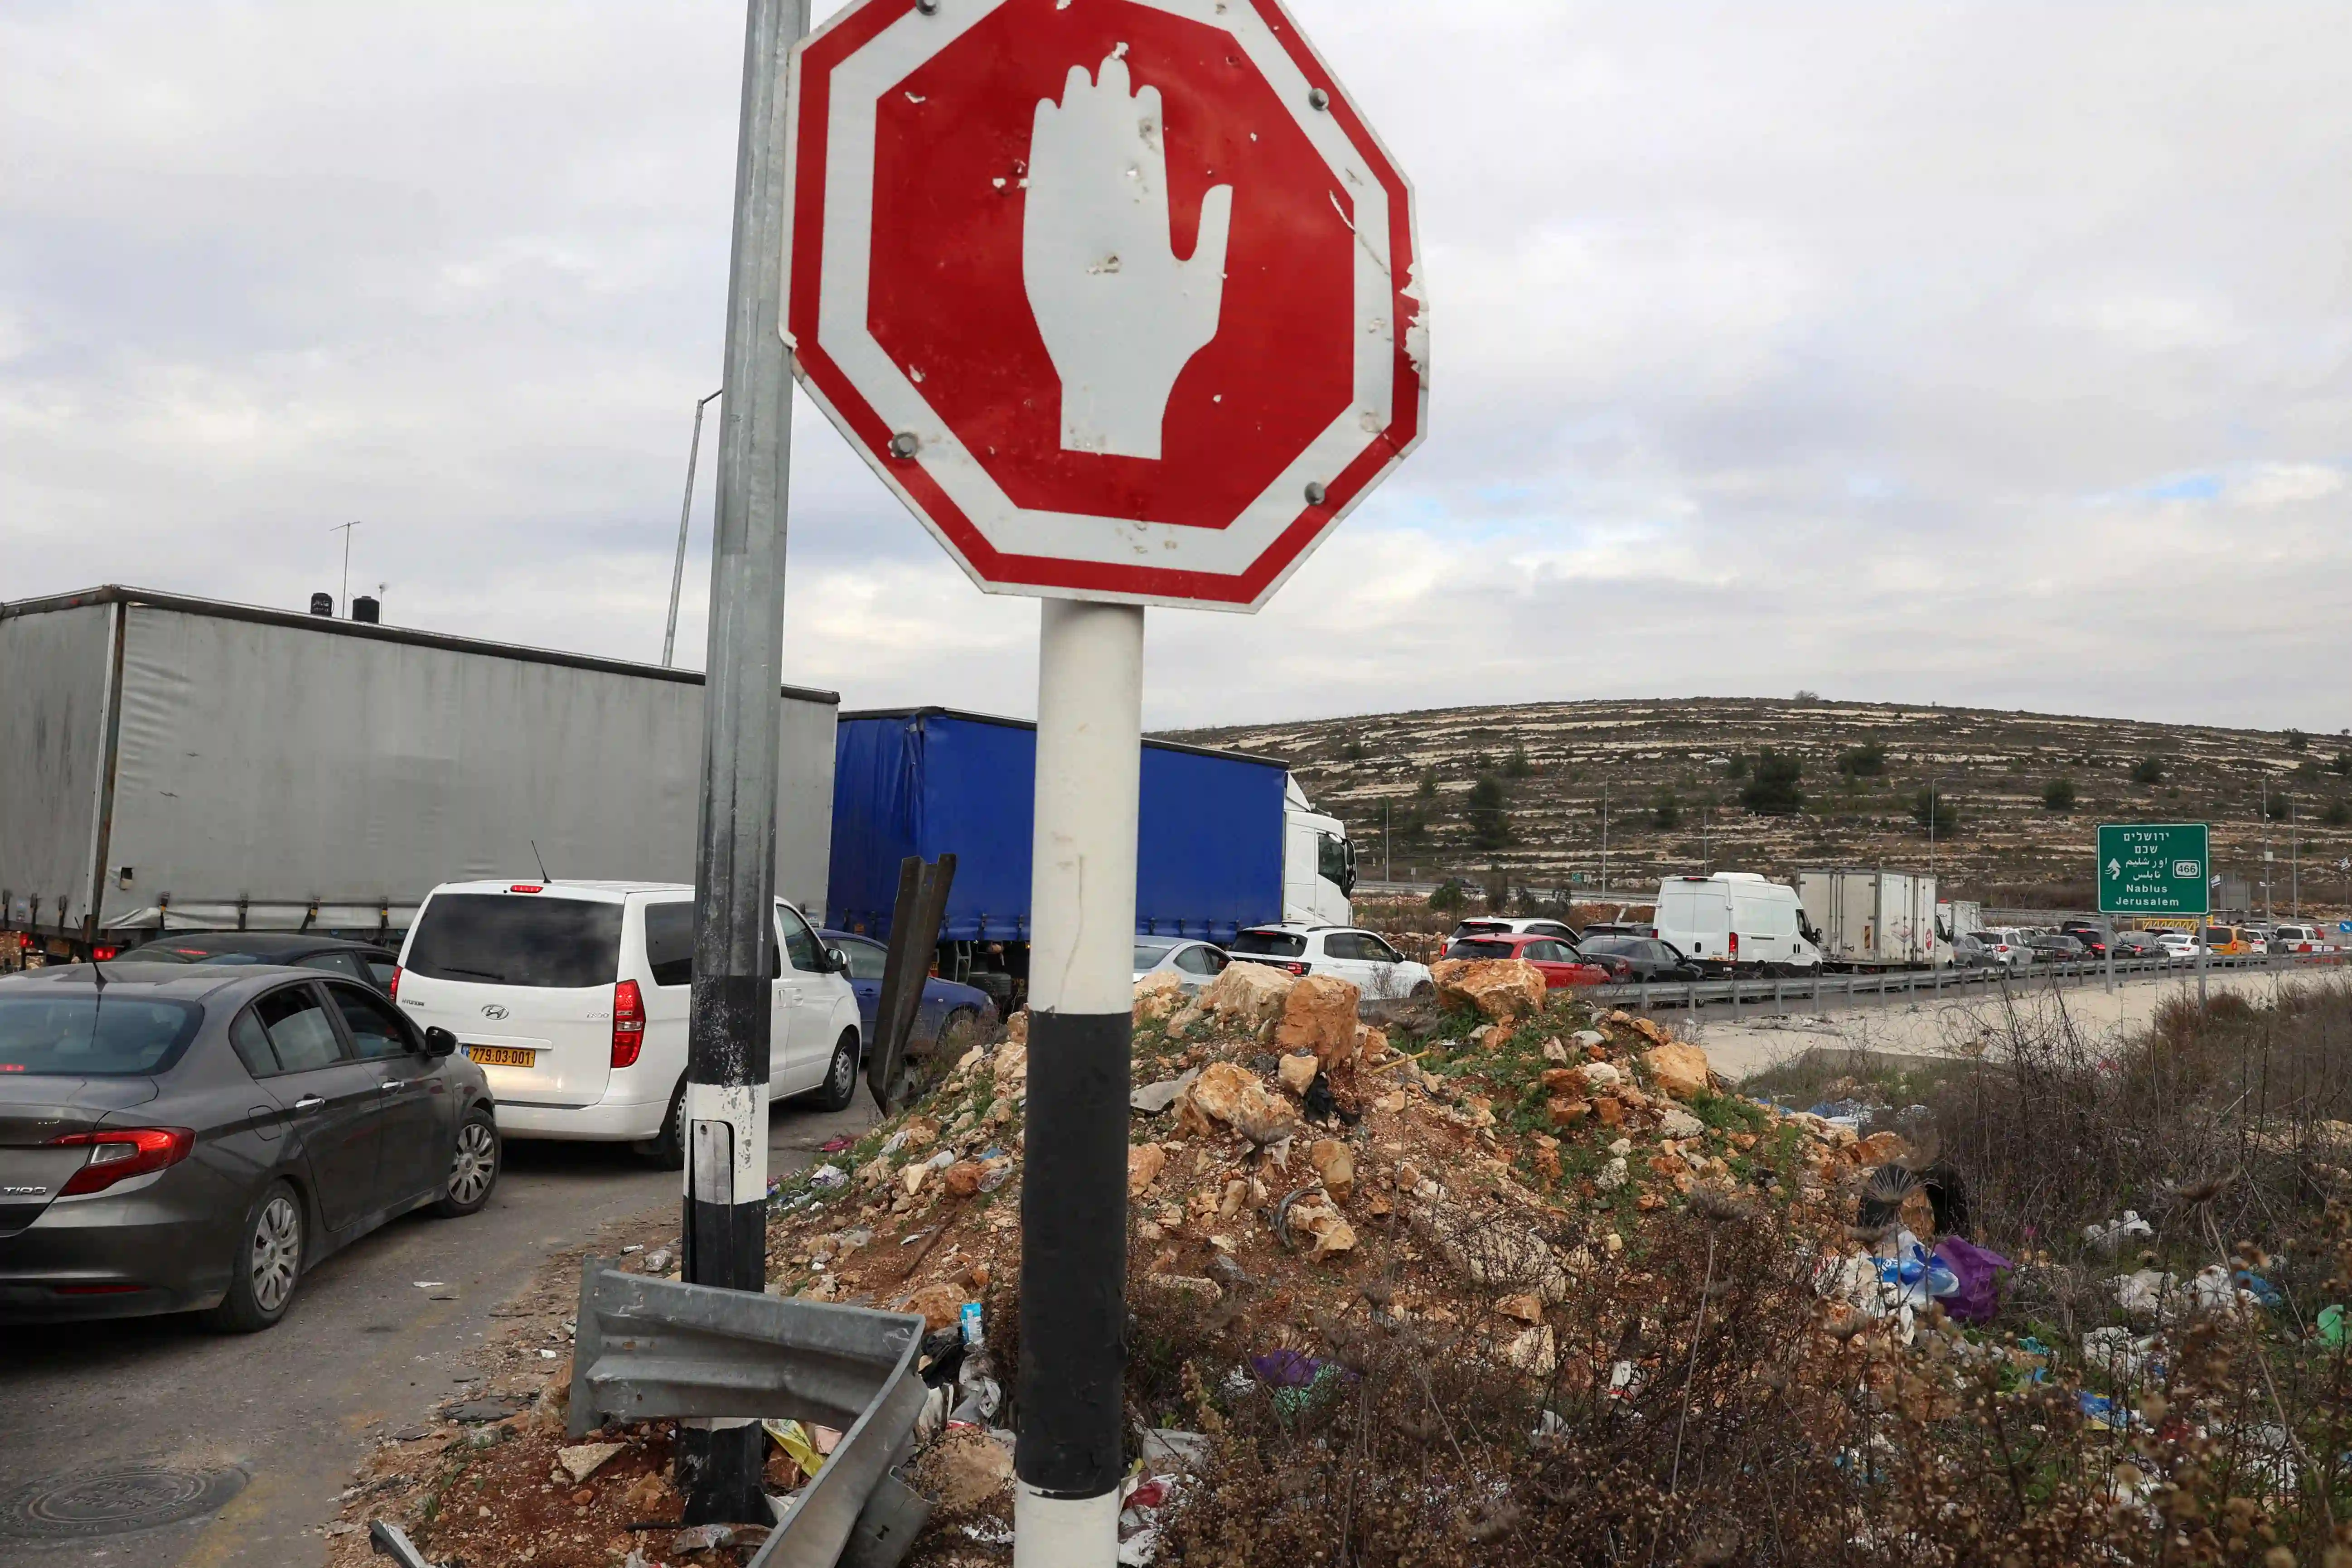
(502, 1056)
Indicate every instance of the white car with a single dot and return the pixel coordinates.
(1194, 964)
(1514, 925)
(2179, 946)
(1346, 953)
(2007, 945)
(572, 997)
(2300, 939)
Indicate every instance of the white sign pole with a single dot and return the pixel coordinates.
(1081, 996)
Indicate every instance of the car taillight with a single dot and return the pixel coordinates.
(394, 987)
(526, 887)
(1735, 947)
(117, 1154)
(628, 1023)
(1296, 968)
(101, 954)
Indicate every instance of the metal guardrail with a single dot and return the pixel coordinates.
(648, 1348)
(1778, 995)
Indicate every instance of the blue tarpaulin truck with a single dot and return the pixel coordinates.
(1224, 840)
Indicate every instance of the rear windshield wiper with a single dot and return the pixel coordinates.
(484, 974)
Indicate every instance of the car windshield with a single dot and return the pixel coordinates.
(91, 1035)
(1148, 953)
(1270, 943)
(502, 939)
(1474, 947)
(1625, 945)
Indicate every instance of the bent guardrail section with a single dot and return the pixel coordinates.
(650, 1348)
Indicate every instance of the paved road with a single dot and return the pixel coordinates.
(365, 1349)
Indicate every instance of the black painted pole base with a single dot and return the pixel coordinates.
(1074, 1254)
(724, 1244)
(717, 1473)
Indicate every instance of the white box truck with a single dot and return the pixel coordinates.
(1874, 919)
(1737, 922)
(1956, 918)
(172, 763)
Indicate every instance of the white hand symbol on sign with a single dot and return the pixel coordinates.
(1120, 314)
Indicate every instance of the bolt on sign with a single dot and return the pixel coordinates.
(1117, 296)
(2154, 868)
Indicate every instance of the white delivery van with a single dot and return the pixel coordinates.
(572, 997)
(1737, 922)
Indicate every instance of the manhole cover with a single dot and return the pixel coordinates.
(111, 1501)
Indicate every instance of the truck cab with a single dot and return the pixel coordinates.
(1318, 864)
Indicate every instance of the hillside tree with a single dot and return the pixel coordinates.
(1774, 789)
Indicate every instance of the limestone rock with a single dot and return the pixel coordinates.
(1523, 1306)
(1318, 1217)
(1144, 1164)
(1535, 1352)
(1157, 995)
(1877, 1149)
(1599, 1075)
(585, 1460)
(1676, 1122)
(1503, 989)
(1016, 1028)
(1299, 1073)
(1012, 1061)
(1679, 1069)
(1567, 1113)
(1249, 992)
(941, 1305)
(1232, 1095)
(1493, 1251)
(964, 1178)
(1336, 1164)
(1318, 1016)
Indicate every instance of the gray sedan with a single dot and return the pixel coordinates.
(177, 1138)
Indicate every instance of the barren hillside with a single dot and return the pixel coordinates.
(1674, 773)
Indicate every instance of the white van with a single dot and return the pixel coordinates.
(1736, 921)
(572, 997)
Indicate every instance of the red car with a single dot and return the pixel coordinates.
(1561, 964)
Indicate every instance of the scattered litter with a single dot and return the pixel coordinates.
(828, 1178)
(1976, 1296)
(703, 1538)
(633, 1246)
(426, 1284)
(1154, 1097)
(836, 1145)
(798, 1443)
(2331, 1325)
(2110, 1238)
(2264, 1293)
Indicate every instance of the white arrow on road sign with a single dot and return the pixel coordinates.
(2115, 868)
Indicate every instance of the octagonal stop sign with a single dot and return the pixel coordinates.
(1116, 295)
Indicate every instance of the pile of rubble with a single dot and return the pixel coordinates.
(1459, 1161)
(1292, 1163)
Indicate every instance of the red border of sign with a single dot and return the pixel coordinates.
(813, 65)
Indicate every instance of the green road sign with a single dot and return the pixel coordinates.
(2154, 869)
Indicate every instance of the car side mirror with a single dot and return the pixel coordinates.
(838, 959)
(440, 1042)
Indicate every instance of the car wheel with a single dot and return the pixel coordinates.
(1424, 991)
(840, 1085)
(956, 1035)
(269, 1267)
(473, 1169)
(665, 1150)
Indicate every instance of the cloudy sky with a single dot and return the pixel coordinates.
(1982, 354)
